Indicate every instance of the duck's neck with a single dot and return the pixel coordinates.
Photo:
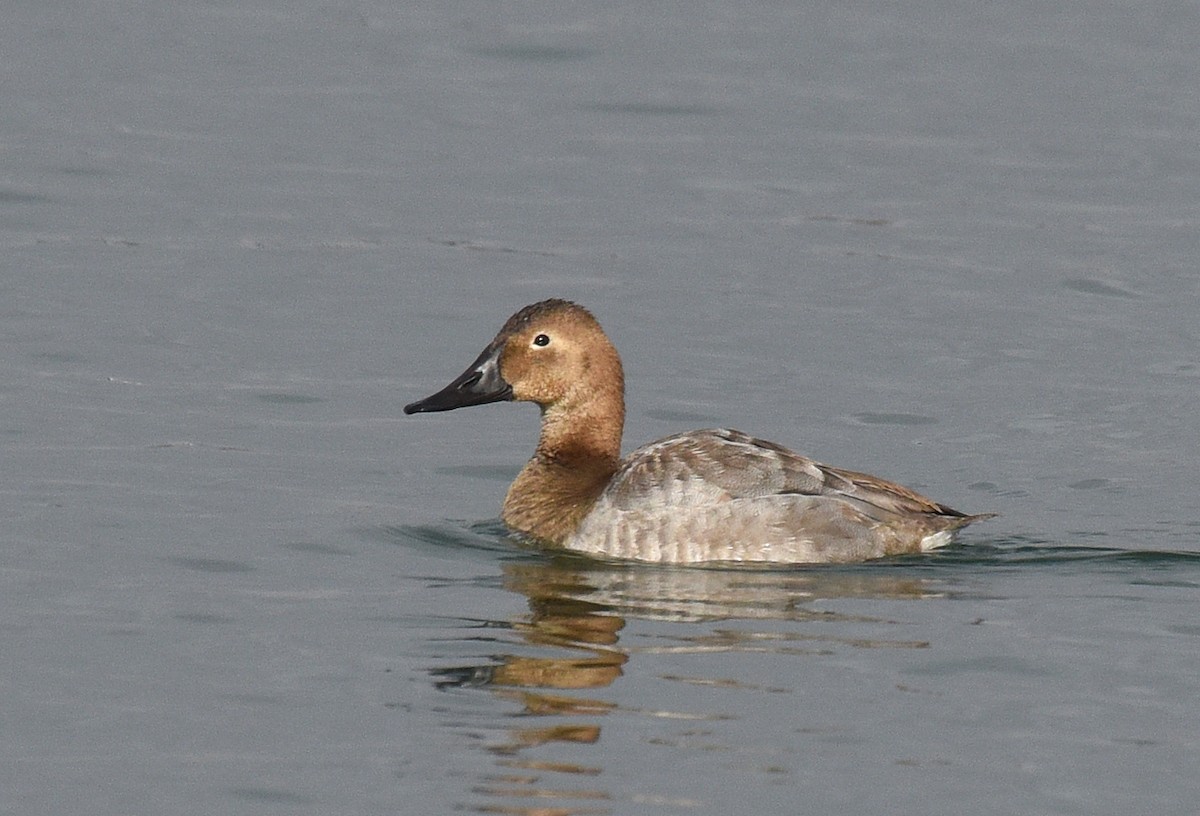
(577, 454)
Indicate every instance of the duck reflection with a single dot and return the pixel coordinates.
(578, 609)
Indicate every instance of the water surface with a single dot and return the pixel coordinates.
(952, 247)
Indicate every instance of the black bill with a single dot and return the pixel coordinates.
(479, 384)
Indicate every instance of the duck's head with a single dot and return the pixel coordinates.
(552, 353)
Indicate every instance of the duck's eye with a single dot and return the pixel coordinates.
(542, 340)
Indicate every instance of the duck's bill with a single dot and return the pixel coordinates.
(479, 384)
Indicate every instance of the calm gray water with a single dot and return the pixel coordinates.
(956, 248)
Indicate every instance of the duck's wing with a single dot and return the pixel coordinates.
(722, 464)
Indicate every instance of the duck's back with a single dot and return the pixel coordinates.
(721, 495)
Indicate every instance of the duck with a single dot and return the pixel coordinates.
(698, 497)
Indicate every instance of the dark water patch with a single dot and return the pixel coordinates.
(279, 398)
(1174, 583)
(680, 416)
(446, 537)
(315, 548)
(455, 623)
(1193, 631)
(213, 565)
(116, 241)
(1137, 742)
(1023, 552)
(1181, 368)
(1152, 559)
(1090, 286)
(477, 246)
(9, 195)
(1089, 484)
(269, 796)
(491, 473)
